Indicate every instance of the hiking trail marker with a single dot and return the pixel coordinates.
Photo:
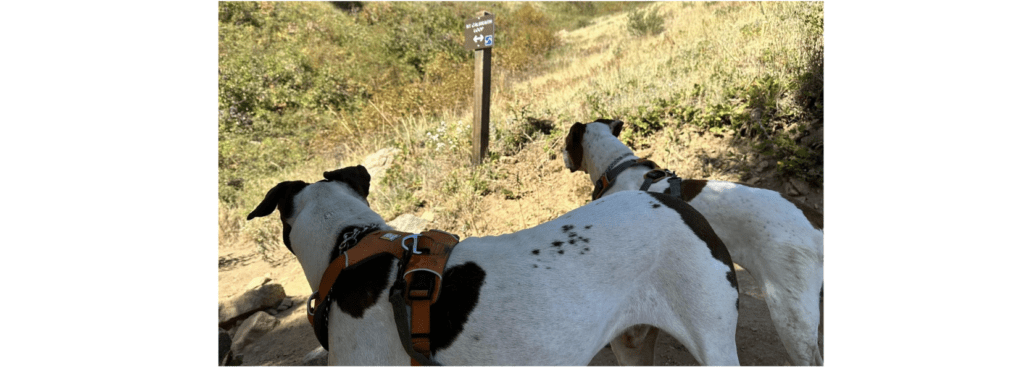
(479, 34)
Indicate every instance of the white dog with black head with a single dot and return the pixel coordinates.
(779, 241)
(554, 294)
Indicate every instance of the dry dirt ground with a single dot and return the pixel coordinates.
(548, 190)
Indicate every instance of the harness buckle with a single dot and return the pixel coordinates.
(655, 174)
(309, 303)
(415, 241)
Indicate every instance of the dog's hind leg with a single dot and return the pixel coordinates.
(798, 329)
(635, 347)
(794, 302)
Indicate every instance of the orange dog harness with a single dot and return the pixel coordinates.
(422, 260)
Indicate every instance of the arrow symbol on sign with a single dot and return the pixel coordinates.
(478, 38)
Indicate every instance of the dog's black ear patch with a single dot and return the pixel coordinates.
(358, 178)
(702, 228)
(279, 197)
(614, 125)
(574, 145)
(460, 291)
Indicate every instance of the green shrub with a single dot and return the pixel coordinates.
(641, 23)
(522, 38)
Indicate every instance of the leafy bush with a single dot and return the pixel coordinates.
(642, 23)
(520, 124)
(528, 37)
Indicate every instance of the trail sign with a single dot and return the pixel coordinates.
(479, 32)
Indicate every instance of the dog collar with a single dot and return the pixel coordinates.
(608, 178)
(654, 175)
(422, 256)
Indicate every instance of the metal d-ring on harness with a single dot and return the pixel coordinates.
(654, 175)
(415, 241)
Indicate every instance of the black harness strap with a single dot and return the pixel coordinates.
(675, 184)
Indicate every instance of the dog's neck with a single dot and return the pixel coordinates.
(600, 150)
(345, 212)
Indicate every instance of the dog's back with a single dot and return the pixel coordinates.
(554, 294)
(633, 257)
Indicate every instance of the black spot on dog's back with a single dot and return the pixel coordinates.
(556, 243)
(567, 227)
(561, 252)
(702, 229)
(535, 252)
(460, 291)
(588, 226)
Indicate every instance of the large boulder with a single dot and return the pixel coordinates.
(254, 327)
(257, 296)
(378, 163)
(409, 223)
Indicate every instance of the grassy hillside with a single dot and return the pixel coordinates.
(306, 87)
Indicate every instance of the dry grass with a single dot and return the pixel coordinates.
(524, 182)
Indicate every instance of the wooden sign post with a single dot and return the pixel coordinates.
(479, 34)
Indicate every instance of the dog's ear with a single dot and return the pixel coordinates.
(616, 127)
(356, 177)
(279, 197)
(574, 146)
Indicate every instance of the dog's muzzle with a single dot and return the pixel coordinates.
(567, 161)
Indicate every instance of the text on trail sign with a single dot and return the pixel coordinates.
(479, 32)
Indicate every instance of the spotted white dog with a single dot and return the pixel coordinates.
(779, 241)
(554, 294)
